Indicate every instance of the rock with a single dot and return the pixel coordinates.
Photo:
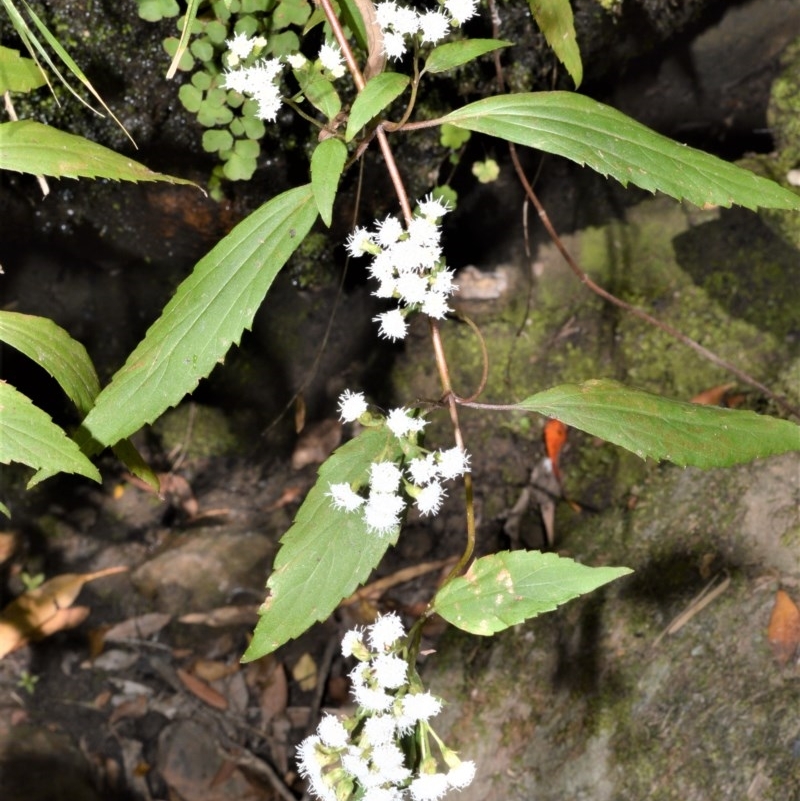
(586, 703)
(205, 569)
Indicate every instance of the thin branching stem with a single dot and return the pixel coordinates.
(438, 349)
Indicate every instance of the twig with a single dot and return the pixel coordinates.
(697, 604)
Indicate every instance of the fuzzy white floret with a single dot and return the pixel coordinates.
(390, 671)
(400, 422)
(379, 729)
(351, 406)
(382, 512)
(330, 57)
(392, 325)
(453, 462)
(332, 732)
(429, 787)
(385, 631)
(435, 305)
(384, 477)
(434, 26)
(423, 469)
(461, 10)
(359, 242)
(343, 497)
(462, 775)
(429, 501)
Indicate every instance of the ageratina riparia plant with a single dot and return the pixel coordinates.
(359, 88)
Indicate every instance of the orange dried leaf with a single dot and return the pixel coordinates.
(783, 631)
(714, 396)
(199, 688)
(40, 612)
(555, 435)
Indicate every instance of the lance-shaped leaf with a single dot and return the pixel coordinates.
(67, 361)
(327, 163)
(453, 54)
(379, 92)
(508, 587)
(554, 18)
(327, 552)
(208, 314)
(50, 346)
(31, 147)
(611, 143)
(30, 437)
(660, 428)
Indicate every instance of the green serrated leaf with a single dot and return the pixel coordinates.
(207, 314)
(554, 18)
(509, 587)
(31, 147)
(18, 74)
(51, 347)
(28, 436)
(327, 163)
(453, 54)
(321, 94)
(660, 428)
(611, 143)
(379, 92)
(327, 552)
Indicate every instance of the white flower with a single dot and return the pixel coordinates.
(343, 497)
(296, 60)
(353, 643)
(386, 631)
(236, 80)
(461, 10)
(384, 477)
(435, 305)
(429, 787)
(453, 462)
(422, 470)
(379, 729)
(394, 45)
(421, 706)
(355, 764)
(412, 288)
(462, 775)
(390, 671)
(443, 282)
(433, 208)
(388, 761)
(330, 57)
(434, 26)
(400, 422)
(370, 699)
(385, 14)
(405, 21)
(351, 406)
(359, 242)
(311, 764)
(389, 231)
(332, 732)
(240, 47)
(382, 512)
(423, 231)
(429, 501)
(392, 325)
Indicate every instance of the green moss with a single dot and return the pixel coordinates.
(199, 431)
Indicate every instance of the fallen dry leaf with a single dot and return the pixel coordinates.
(45, 610)
(555, 436)
(211, 670)
(289, 495)
(783, 632)
(305, 672)
(200, 689)
(223, 616)
(714, 396)
(138, 628)
(275, 695)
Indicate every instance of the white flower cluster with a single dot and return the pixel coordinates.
(384, 505)
(398, 22)
(407, 266)
(259, 80)
(363, 756)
